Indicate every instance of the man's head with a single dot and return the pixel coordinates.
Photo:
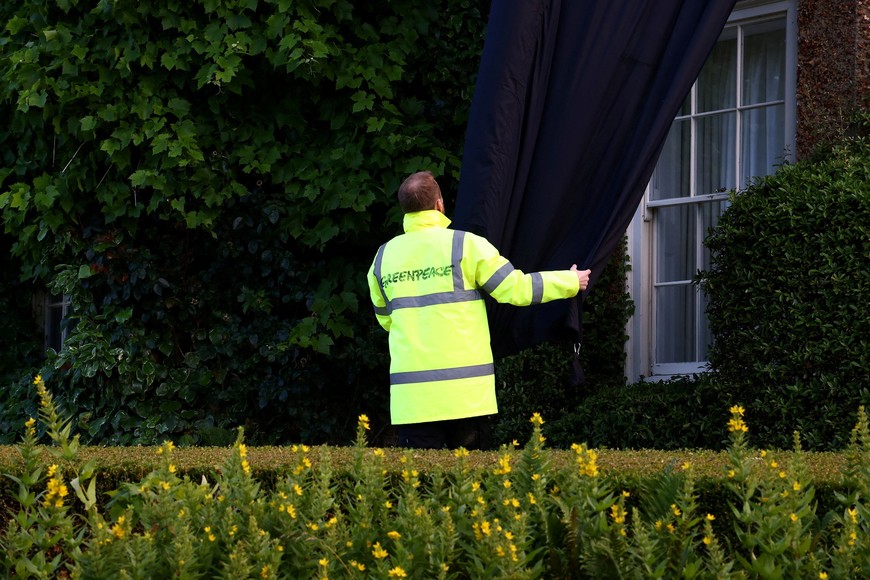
(420, 192)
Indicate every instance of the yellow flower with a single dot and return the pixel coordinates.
(461, 452)
(763, 453)
(397, 572)
(37, 380)
(388, 504)
(617, 514)
(264, 572)
(793, 517)
(394, 535)
(118, 529)
(731, 473)
(364, 422)
(30, 423)
(171, 468)
(707, 540)
(504, 465)
(737, 410)
(774, 464)
(796, 486)
(736, 424)
(625, 494)
(378, 452)
(357, 565)
(823, 575)
(675, 509)
(853, 515)
(711, 517)
(686, 466)
(475, 486)
(378, 552)
(536, 419)
(515, 443)
(323, 562)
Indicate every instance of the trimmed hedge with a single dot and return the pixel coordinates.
(789, 289)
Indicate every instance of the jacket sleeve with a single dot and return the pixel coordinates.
(378, 300)
(494, 274)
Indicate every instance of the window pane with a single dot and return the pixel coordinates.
(675, 324)
(686, 107)
(764, 62)
(53, 326)
(671, 177)
(717, 84)
(675, 243)
(763, 142)
(716, 153)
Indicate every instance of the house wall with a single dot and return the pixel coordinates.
(833, 76)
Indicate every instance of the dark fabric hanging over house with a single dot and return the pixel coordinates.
(572, 105)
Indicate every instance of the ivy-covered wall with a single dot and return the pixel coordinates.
(208, 181)
(833, 77)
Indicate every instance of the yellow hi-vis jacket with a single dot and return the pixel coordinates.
(426, 289)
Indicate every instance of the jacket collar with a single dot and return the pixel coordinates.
(420, 220)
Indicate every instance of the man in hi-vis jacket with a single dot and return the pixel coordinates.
(426, 287)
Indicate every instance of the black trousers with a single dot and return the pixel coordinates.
(473, 433)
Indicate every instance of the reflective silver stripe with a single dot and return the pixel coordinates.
(442, 374)
(433, 299)
(456, 259)
(490, 285)
(537, 287)
(379, 257)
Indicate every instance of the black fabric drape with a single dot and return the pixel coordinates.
(573, 102)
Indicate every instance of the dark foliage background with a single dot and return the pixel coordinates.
(208, 181)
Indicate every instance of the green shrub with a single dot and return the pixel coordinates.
(788, 288)
(540, 379)
(209, 181)
(517, 513)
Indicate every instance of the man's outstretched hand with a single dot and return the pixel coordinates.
(582, 276)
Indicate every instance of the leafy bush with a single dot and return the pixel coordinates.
(526, 517)
(788, 292)
(208, 182)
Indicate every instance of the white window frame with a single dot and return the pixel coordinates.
(54, 332)
(640, 349)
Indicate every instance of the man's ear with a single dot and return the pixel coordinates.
(439, 205)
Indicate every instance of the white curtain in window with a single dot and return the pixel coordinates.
(763, 139)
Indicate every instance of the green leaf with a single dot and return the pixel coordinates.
(84, 272)
(87, 123)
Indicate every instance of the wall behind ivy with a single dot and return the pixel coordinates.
(208, 182)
